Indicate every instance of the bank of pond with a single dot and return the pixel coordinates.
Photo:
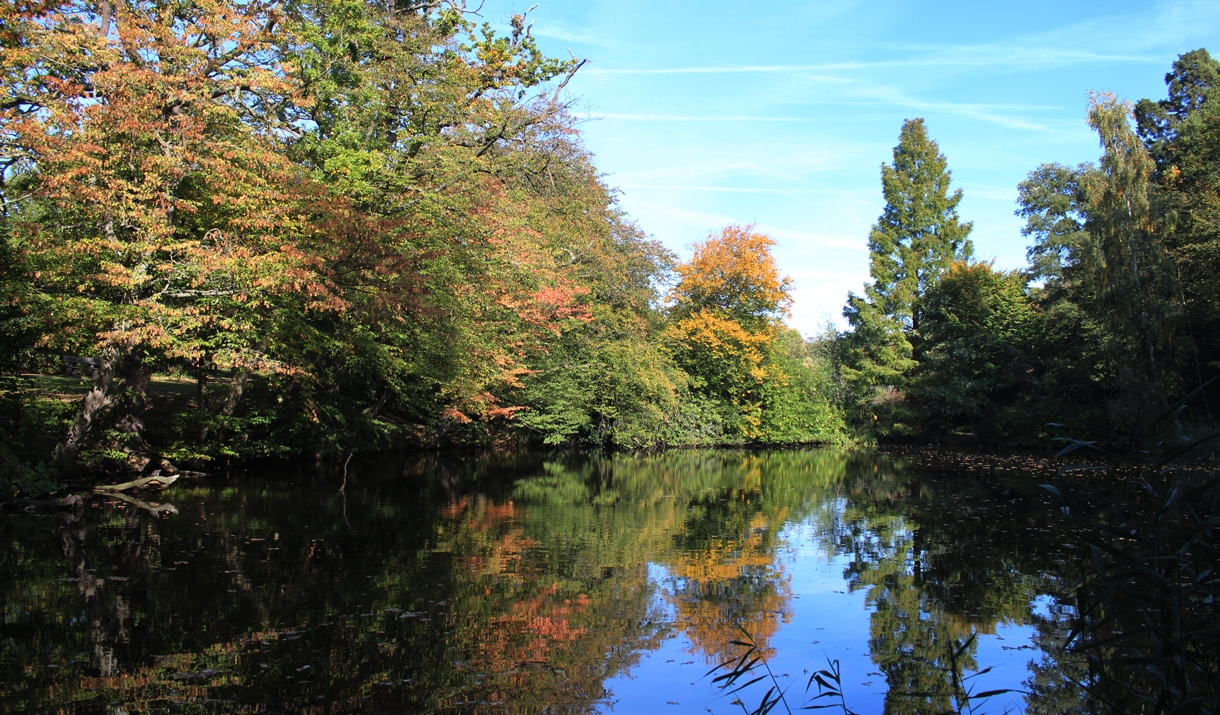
(530, 583)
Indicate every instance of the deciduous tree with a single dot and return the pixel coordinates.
(726, 309)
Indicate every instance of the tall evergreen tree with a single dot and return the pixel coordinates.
(1160, 123)
(916, 238)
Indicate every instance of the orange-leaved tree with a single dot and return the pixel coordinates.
(148, 197)
(726, 310)
(313, 191)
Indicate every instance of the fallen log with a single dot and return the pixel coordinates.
(155, 482)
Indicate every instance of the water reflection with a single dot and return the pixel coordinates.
(522, 584)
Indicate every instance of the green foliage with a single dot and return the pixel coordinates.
(625, 393)
(1051, 202)
(916, 238)
(30, 424)
(976, 321)
(797, 405)
(1182, 134)
(1160, 123)
(1130, 278)
(1115, 316)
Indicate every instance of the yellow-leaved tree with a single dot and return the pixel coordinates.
(726, 312)
(727, 332)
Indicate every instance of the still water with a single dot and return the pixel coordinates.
(543, 584)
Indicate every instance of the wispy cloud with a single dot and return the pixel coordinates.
(878, 102)
(694, 118)
(742, 189)
(783, 117)
(744, 69)
(982, 112)
(575, 35)
(795, 242)
(962, 56)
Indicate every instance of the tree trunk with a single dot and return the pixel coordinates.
(232, 399)
(122, 379)
(236, 388)
(100, 397)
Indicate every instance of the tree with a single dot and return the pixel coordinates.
(725, 311)
(918, 233)
(1052, 203)
(1159, 124)
(798, 405)
(319, 195)
(734, 275)
(426, 126)
(1182, 134)
(156, 208)
(1128, 275)
(604, 379)
(913, 242)
(976, 321)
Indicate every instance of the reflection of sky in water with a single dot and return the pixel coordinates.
(828, 623)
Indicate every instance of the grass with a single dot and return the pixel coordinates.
(68, 387)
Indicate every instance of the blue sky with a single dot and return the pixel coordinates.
(709, 113)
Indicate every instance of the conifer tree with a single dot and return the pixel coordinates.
(916, 238)
(1160, 123)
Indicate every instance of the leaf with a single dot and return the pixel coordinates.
(1075, 444)
(991, 693)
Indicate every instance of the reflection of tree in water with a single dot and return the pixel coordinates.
(724, 569)
(730, 582)
(267, 600)
(467, 593)
(1056, 678)
(937, 567)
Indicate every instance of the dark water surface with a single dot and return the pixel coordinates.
(534, 584)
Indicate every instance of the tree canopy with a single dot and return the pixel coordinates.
(350, 224)
(1113, 319)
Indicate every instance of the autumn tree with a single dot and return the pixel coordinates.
(317, 195)
(603, 378)
(155, 208)
(726, 310)
(424, 124)
(913, 242)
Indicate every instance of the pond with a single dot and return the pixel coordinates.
(528, 583)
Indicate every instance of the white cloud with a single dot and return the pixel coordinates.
(739, 189)
(694, 118)
(962, 56)
(981, 112)
(568, 33)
